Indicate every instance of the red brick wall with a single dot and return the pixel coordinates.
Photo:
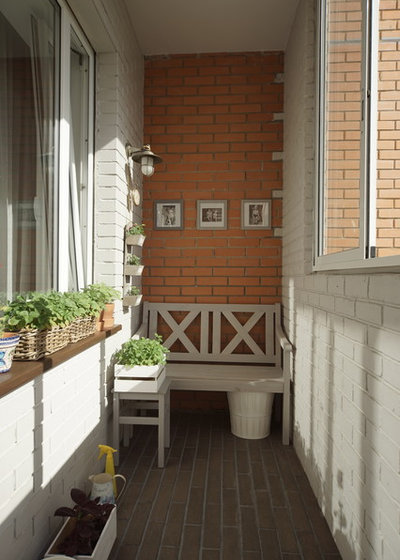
(213, 119)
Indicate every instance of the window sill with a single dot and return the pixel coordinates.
(24, 371)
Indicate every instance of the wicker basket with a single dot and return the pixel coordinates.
(34, 345)
(81, 328)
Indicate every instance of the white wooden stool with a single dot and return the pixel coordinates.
(158, 400)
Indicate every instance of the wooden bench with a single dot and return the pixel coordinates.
(224, 348)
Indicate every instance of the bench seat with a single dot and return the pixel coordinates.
(224, 377)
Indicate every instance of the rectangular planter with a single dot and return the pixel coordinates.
(104, 544)
(137, 240)
(139, 378)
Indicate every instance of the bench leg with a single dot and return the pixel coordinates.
(161, 430)
(116, 427)
(167, 418)
(286, 416)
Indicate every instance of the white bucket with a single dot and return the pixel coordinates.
(250, 414)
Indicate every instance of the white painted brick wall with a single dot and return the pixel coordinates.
(346, 332)
(50, 427)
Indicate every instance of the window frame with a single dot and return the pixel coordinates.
(362, 258)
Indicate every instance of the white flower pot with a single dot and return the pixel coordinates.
(131, 301)
(250, 413)
(133, 269)
(103, 547)
(135, 240)
(8, 345)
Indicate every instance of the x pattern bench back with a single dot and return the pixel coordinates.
(214, 345)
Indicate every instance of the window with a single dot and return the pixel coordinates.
(358, 191)
(46, 107)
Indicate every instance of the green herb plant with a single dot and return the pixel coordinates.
(133, 291)
(136, 229)
(133, 260)
(142, 352)
(101, 293)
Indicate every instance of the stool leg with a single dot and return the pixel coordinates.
(161, 428)
(116, 427)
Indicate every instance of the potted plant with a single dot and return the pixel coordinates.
(133, 266)
(90, 530)
(132, 297)
(140, 358)
(134, 235)
(8, 344)
(86, 311)
(41, 320)
(104, 295)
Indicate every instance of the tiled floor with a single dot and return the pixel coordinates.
(218, 497)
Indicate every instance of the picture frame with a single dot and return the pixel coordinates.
(212, 214)
(256, 214)
(168, 214)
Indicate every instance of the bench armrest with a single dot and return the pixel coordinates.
(283, 340)
(141, 332)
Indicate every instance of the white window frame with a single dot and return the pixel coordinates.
(361, 258)
(68, 22)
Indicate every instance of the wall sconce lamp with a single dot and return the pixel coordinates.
(144, 156)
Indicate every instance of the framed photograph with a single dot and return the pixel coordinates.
(211, 214)
(256, 214)
(168, 214)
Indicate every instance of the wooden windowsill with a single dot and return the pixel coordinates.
(24, 371)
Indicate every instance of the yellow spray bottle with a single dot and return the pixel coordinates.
(110, 469)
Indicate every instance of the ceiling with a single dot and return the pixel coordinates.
(200, 26)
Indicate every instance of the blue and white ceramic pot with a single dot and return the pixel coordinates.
(8, 343)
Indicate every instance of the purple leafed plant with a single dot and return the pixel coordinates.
(89, 517)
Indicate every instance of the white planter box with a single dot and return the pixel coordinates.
(133, 269)
(103, 546)
(135, 240)
(139, 378)
(131, 301)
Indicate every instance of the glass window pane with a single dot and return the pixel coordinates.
(79, 154)
(388, 133)
(28, 116)
(342, 120)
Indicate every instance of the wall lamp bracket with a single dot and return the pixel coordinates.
(144, 156)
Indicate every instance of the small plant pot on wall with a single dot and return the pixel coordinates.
(132, 300)
(133, 269)
(8, 344)
(137, 240)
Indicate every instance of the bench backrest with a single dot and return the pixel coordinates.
(216, 332)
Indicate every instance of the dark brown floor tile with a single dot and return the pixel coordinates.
(276, 490)
(284, 527)
(150, 487)
(231, 543)
(265, 514)
(245, 490)
(230, 515)
(136, 527)
(128, 500)
(126, 552)
(309, 546)
(214, 485)
(168, 553)
(174, 525)
(298, 511)
(292, 557)
(270, 544)
(250, 537)
(212, 526)
(258, 475)
(151, 542)
(243, 465)
(188, 457)
(182, 486)
(207, 554)
(251, 555)
(195, 506)
(199, 472)
(270, 465)
(191, 542)
(228, 474)
(320, 527)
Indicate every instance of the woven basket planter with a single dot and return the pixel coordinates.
(34, 345)
(81, 328)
